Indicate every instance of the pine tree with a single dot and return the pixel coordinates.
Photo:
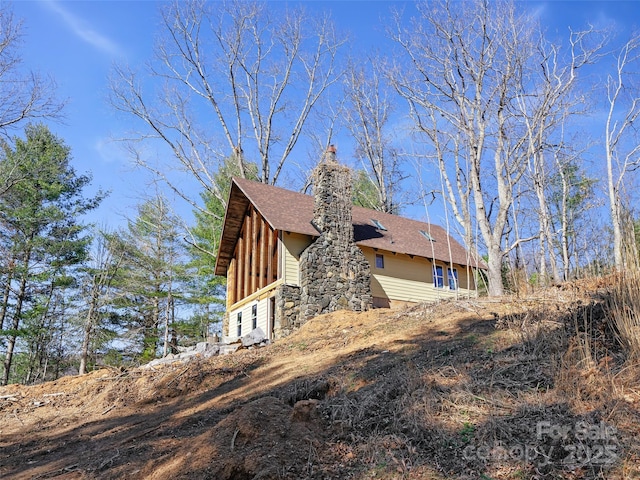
(40, 234)
(150, 279)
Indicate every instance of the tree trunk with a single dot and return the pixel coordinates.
(5, 298)
(88, 326)
(40, 350)
(564, 226)
(167, 315)
(494, 271)
(616, 222)
(546, 239)
(16, 324)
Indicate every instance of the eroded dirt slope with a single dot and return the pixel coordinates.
(442, 391)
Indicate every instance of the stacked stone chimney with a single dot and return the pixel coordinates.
(334, 273)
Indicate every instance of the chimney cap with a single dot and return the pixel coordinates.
(330, 154)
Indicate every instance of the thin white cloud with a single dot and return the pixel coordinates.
(83, 29)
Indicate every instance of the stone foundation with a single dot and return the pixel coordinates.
(287, 314)
(225, 324)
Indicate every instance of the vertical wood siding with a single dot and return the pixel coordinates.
(255, 258)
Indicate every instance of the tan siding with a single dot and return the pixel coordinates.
(465, 276)
(409, 279)
(401, 266)
(293, 245)
(410, 291)
(376, 288)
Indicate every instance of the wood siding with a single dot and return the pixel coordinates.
(410, 279)
(255, 260)
(292, 246)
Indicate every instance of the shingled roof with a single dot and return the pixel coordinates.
(292, 212)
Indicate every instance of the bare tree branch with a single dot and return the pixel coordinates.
(470, 77)
(238, 80)
(367, 117)
(622, 146)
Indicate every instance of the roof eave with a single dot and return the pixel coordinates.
(230, 228)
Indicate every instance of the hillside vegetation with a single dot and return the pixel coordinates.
(532, 387)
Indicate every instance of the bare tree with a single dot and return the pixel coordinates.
(546, 102)
(324, 120)
(476, 91)
(367, 117)
(622, 146)
(239, 78)
(465, 65)
(24, 95)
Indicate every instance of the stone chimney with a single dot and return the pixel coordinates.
(332, 199)
(334, 273)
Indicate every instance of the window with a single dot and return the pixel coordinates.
(427, 236)
(379, 260)
(239, 324)
(254, 316)
(377, 224)
(438, 276)
(452, 273)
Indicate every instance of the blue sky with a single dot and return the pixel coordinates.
(77, 42)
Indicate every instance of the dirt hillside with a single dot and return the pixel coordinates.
(475, 389)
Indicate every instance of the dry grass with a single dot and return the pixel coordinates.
(623, 305)
(552, 358)
(429, 392)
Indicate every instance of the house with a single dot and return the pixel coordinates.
(289, 256)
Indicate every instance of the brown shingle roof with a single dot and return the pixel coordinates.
(292, 212)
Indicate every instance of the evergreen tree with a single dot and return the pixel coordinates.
(96, 279)
(150, 279)
(571, 196)
(40, 234)
(366, 194)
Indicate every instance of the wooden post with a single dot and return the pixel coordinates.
(262, 271)
(247, 255)
(231, 283)
(255, 252)
(270, 272)
(240, 269)
(277, 273)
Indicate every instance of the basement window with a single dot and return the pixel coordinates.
(377, 224)
(427, 236)
(239, 322)
(379, 260)
(254, 316)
